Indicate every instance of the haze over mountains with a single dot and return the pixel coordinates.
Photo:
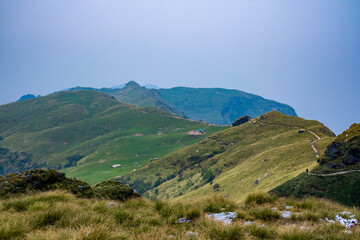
(150, 139)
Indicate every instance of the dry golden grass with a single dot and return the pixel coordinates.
(59, 215)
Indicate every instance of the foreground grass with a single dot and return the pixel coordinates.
(59, 215)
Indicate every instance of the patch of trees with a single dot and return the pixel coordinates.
(140, 186)
(16, 161)
(208, 176)
(72, 161)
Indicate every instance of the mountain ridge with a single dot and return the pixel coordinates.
(214, 105)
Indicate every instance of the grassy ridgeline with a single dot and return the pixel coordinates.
(268, 149)
(59, 215)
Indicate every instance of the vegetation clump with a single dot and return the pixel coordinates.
(16, 161)
(259, 198)
(39, 180)
(241, 120)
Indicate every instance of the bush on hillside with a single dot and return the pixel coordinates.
(16, 161)
(39, 180)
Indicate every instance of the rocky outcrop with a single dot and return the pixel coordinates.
(241, 120)
(345, 150)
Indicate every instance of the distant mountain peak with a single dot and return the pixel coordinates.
(27, 96)
(132, 84)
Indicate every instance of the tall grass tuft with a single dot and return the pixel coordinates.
(262, 233)
(12, 230)
(228, 233)
(47, 218)
(297, 235)
(219, 204)
(265, 214)
(259, 198)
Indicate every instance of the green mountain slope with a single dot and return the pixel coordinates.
(338, 175)
(258, 155)
(213, 105)
(220, 106)
(85, 132)
(137, 95)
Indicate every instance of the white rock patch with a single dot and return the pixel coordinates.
(348, 223)
(223, 217)
(286, 214)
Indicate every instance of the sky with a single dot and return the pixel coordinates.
(305, 53)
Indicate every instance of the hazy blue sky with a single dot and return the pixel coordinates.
(305, 53)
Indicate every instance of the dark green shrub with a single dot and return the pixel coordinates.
(72, 160)
(208, 176)
(216, 187)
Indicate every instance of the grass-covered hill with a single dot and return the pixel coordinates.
(84, 133)
(139, 96)
(213, 105)
(258, 155)
(338, 175)
(57, 215)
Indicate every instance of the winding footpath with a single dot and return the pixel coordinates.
(311, 132)
(333, 174)
(317, 153)
(313, 143)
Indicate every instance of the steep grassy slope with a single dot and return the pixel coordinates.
(259, 155)
(220, 106)
(57, 215)
(86, 132)
(338, 176)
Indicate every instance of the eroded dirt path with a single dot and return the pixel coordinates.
(311, 132)
(333, 174)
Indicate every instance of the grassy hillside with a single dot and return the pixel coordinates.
(139, 96)
(59, 215)
(338, 175)
(85, 132)
(220, 106)
(258, 155)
